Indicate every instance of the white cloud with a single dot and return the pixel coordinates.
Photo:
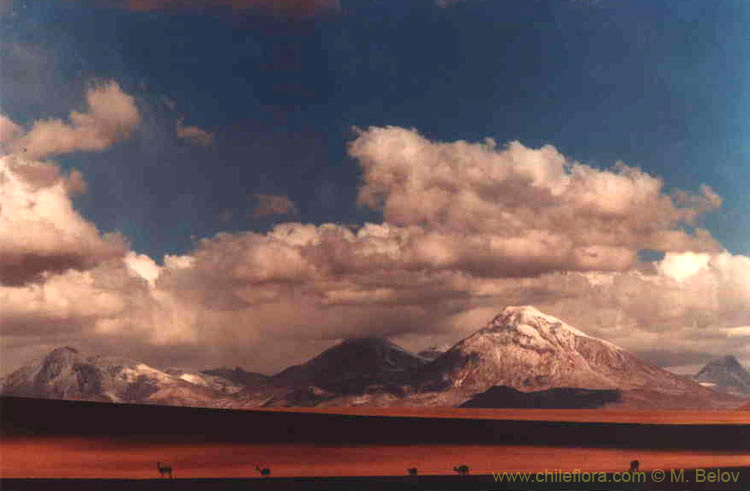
(40, 231)
(468, 229)
(523, 210)
(111, 115)
(9, 131)
(682, 266)
(141, 265)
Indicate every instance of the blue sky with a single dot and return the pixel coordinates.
(659, 85)
(217, 138)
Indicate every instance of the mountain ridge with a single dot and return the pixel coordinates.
(67, 373)
(528, 350)
(520, 349)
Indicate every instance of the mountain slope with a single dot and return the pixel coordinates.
(521, 349)
(433, 352)
(239, 376)
(351, 364)
(527, 350)
(351, 368)
(66, 373)
(725, 374)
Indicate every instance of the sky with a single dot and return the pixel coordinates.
(246, 182)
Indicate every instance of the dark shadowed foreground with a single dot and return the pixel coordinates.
(146, 423)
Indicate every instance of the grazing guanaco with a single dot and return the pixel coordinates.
(164, 470)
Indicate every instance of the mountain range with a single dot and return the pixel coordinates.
(521, 358)
(66, 373)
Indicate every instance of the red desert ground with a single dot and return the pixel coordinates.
(68, 458)
(30, 456)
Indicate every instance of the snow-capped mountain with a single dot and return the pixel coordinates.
(725, 374)
(521, 349)
(527, 350)
(66, 373)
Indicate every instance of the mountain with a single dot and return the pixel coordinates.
(725, 374)
(239, 376)
(526, 350)
(351, 368)
(520, 350)
(66, 373)
(521, 357)
(351, 364)
(433, 352)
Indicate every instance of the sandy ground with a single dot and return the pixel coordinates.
(68, 457)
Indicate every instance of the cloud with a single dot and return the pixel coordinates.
(194, 134)
(111, 116)
(521, 210)
(9, 131)
(265, 300)
(40, 231)
(290, 8)
(272, 204)
(467, 229)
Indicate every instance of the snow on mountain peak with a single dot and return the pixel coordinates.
(67, 373)
(526, 349)
(525, 316)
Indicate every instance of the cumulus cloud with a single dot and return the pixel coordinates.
(272, 204)
(291, 8)
(521, 210)
(302, 285)
(40, 231)
(468, 228)
(110, 116)
(9, 131)
(194, 134)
